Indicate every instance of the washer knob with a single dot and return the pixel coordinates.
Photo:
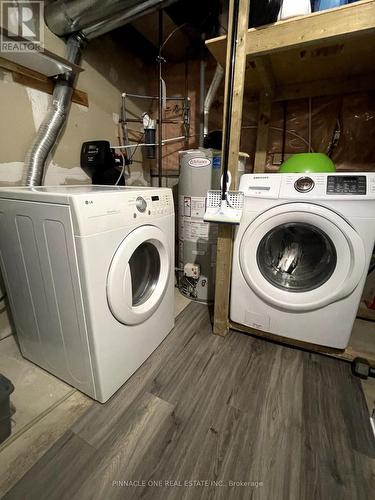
(304, 184)
(141, 204)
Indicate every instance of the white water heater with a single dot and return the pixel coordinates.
(200, 171)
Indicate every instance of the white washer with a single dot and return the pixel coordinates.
(89, 272)
(301, 254)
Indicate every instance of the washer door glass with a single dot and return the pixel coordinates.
(301, 256)
(139, 275)
(145, 271)
(296, 257)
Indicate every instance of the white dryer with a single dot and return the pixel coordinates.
(89, 272)
(301, 254)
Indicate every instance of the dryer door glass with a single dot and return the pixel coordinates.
(296, 257)
(145, 270)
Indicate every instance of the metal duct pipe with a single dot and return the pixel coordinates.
(211, 93)
(55, 119)
(96, 17)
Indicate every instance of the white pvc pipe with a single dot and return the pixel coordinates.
(165, 141)
(211, 93)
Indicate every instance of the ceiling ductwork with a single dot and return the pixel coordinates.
(93, 18)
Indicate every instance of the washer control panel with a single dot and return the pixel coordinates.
(346, 184)
(309, 186)
(304, 184)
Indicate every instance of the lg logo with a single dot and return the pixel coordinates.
(23, 26)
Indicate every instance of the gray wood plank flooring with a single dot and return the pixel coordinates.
(283, 423)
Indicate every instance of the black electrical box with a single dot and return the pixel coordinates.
(97, 155)
(98, 160)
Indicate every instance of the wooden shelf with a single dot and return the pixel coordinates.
(43, 62)
(30, 78)
(334, 45)
(37, 69)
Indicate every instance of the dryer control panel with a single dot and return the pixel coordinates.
(133, 207)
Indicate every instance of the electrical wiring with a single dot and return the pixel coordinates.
(170, 36)
(123, 157)
(165, 142)
(123, 168)
(294, 134)
(136, 147)
(130, 146)
(280, 129)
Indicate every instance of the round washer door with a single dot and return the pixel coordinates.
(138, 275)
(300, 256)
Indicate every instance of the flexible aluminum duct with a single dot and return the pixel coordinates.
(54, 121)
(95, 17)
(211, 93)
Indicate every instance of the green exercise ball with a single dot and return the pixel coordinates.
(307, 163)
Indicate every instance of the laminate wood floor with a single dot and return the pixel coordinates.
(219, 418)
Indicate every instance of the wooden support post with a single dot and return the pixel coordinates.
(225, 238)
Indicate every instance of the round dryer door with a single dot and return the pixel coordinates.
(301, 257)
(138, 275)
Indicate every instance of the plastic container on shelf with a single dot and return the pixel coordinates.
(328, 4)
(293, 8)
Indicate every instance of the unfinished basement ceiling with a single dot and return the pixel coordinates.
(195, 19)
(93, 18)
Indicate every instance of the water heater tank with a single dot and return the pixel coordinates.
(200, 171)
